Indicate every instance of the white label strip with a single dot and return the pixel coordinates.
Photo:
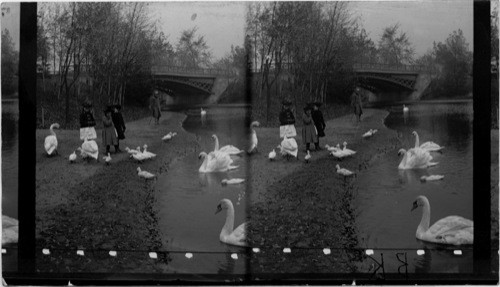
(153, 255)
(234, 256)
(457, 252)
(287, 250)
(46, 251)
(369, 251)
(256, 250)
(327, 251)
(80, 252)
(420, 252)
(112, 253)
(4, 251)
(189, 255)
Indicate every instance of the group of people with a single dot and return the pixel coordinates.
(312, 120)
(113, 125)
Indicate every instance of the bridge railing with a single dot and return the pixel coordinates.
(191, 71)
(389, 67)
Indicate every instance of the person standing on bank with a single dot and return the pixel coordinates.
(108, 132)
(356, 104)
(319, 123)
(287, 121)
(87, 122)
(309, 134)
(119, 123)
(154, 106)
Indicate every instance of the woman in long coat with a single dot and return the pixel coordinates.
(108, 132)
(154, 106)
(309, 134)
(356, 104)
(118, 121)
(319, 123)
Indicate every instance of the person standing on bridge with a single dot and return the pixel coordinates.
(356, 104)
(287, 121)
(154, 106)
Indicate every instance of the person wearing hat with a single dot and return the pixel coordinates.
(287, 121)
(118, 121)
(87, 122)
(108, 132)
(356, 103)
(154, 106)
(309, 134)
(319, 122)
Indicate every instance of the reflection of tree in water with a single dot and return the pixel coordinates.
(9, 131)
(227, 267)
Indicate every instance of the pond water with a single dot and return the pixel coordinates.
(187, 199)
(386, 194)
(10, 155)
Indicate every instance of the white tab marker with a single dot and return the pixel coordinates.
(4, 251)
(327, 251)
(189, 255)
(234, 256)
(457, 252)
(255, 250)
(46, 251)
(420, 252)
(369, 251)
(153, 255)
(112, 253)
(287, 250)
(80, 252)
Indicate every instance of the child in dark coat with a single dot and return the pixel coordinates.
(118, 121)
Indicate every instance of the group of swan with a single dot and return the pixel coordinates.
(168, 136)
(415, 158)
(454, 230)
(228, 234)
(218, 160)
(51, 140)
(253, 137)
(139, 155)
(339, 153)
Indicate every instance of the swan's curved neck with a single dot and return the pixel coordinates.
(216, 143)
(417, 141)
(426, 218)
(403, 161)
(229, 225)
(52, 132)
(203, 166)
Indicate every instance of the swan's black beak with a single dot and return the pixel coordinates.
(415, 205)
(219, 209)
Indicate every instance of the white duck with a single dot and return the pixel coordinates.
(405, 109)
(167, 137)
(343, 171)
(131, 151)
(144, 174)
(107, 159)
(454, 230)
(253, 137)
(146, 153)
(307, 157)
(215, 162)
(368, 134)
(288, 146)
(415, 159)
(272, 155)
(433, 177)
(332, 148)
(72, 157)
(338, 154)
(51, 140)
(89, 149)
(10, 230)
(347, 151)
(232, 181)
(229, 235)
(140, 156)
(229, 149)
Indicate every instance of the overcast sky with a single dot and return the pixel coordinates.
(222, 23)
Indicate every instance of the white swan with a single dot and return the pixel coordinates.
(146, 153)
(10, 230)
(454, 230)
(338, 154)
(332, 148)
(216, 162)
(229, 235)
(405, 109)
(140, 156)
(72, 157)
(343, 171)
(415, 158)
(107, 159)
(431, 177)
(144, 174)
(288, 146)
(232, 181)
(272, 155)
(431, 146)
(51, 140)
(254, 141)
(167, 137)
(229, 149)
(307, 157)
(368, 134)
(89, 149)
(347, 151)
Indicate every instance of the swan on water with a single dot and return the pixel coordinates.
(10, 230)
(405, 109)
(272, 155)
(72, 157)
(343, 171)
(89, 149)
(232, 181)
(107, 159)
(347, 151)
(215, 162)
(415, 158)
(307, 157)
(146, 153)
(51, 140)
(431, 177)
(454, 230)
(431, 146)
(253, 137)
(289, 147)
(228, 234)
(144, 174)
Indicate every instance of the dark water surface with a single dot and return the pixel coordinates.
(10, 155)
(386, 194)
(187, 199)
